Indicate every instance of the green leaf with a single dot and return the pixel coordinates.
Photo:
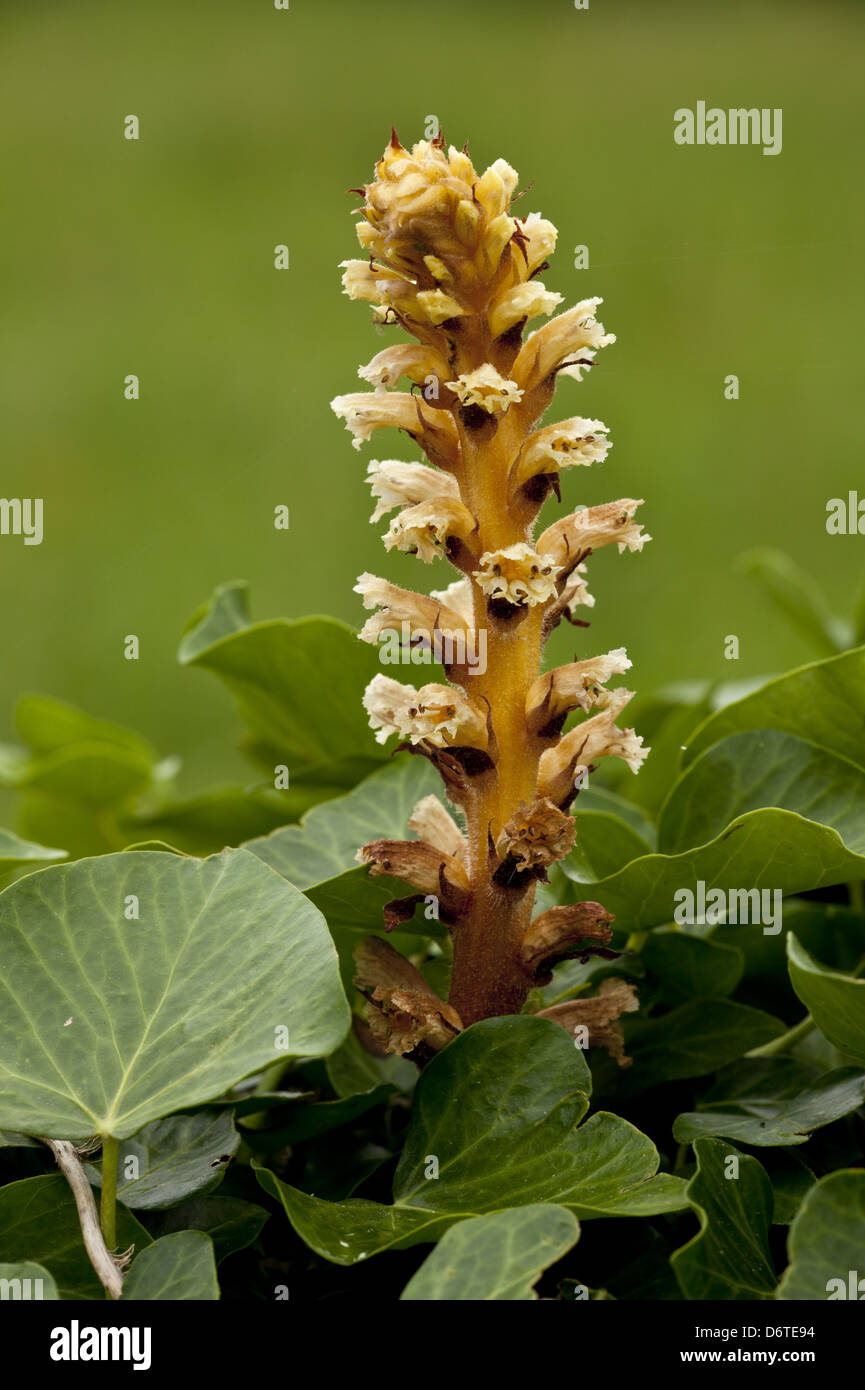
(176, 1267)
(692, 1040)
(826, 1241)
(206, 823)
(319, 855)
(791, 1180)
(107, 1024)
(823, 703)
(326, 842)
(16, 853)
(309, 1121)
(39, 1221)
(729, 1257)
(174, 1158)
(769, 849)
(794, 592)
(494, 1116)
(605, 843)
(27, 1280)
(352, 1070)
(298, 686)
(497, 1257)
(686, 966)
(75, 756)
(835, 1002)
(665, 725)
(764, 1102)
(766, 768)
(231, 1223)
(601, 799)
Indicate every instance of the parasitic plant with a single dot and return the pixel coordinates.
(449, 262)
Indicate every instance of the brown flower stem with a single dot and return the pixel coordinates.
(446, 259)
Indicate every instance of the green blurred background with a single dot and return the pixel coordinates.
(156, 258)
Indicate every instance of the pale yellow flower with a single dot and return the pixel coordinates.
(412, 360)
(487, 388)
(524, 301)
(423, 616)
(427, 527)
(458, 597)
(592, 527)
(438, 715)
(579, 685)
(517, 574)
(555, 345)
(397, 484)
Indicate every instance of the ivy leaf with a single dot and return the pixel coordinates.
(826, 1241)
(74, 756)
(309, 1121)
(496, 1257)
(791, 1180)
(108, 1023)
(729, 1257)
(666, 721)
(326, 842)
(794, 592)
(16, 853)
(176, 1267)
(319, 855)
(39, 1221)
(34, 1280)
(174, 1158)
(206, 823)
(769, 849)
(823, 702)
(605, 843)
(765, 1102)
(686, 966)
(767, 768)
(298, 686)
(351, 1070)
(693, 1039)
(231, 1223)
(492, 1127)
(835, 1002)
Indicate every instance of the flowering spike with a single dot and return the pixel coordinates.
(445, 258)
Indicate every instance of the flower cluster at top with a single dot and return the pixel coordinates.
(449, 262)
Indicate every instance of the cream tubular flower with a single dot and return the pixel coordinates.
(430, 821)
(518, 574)
(553, 346)
(570, 443)
(592, 527)
(365, 411)
(397, 484)
(437, 715)
(431, 528)
(538, 238)
(457, 597)
(423, 616)
(580, 748)
(487, 388)
(521, 302)
(412, 360)
(580, 685)
(362, 281)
